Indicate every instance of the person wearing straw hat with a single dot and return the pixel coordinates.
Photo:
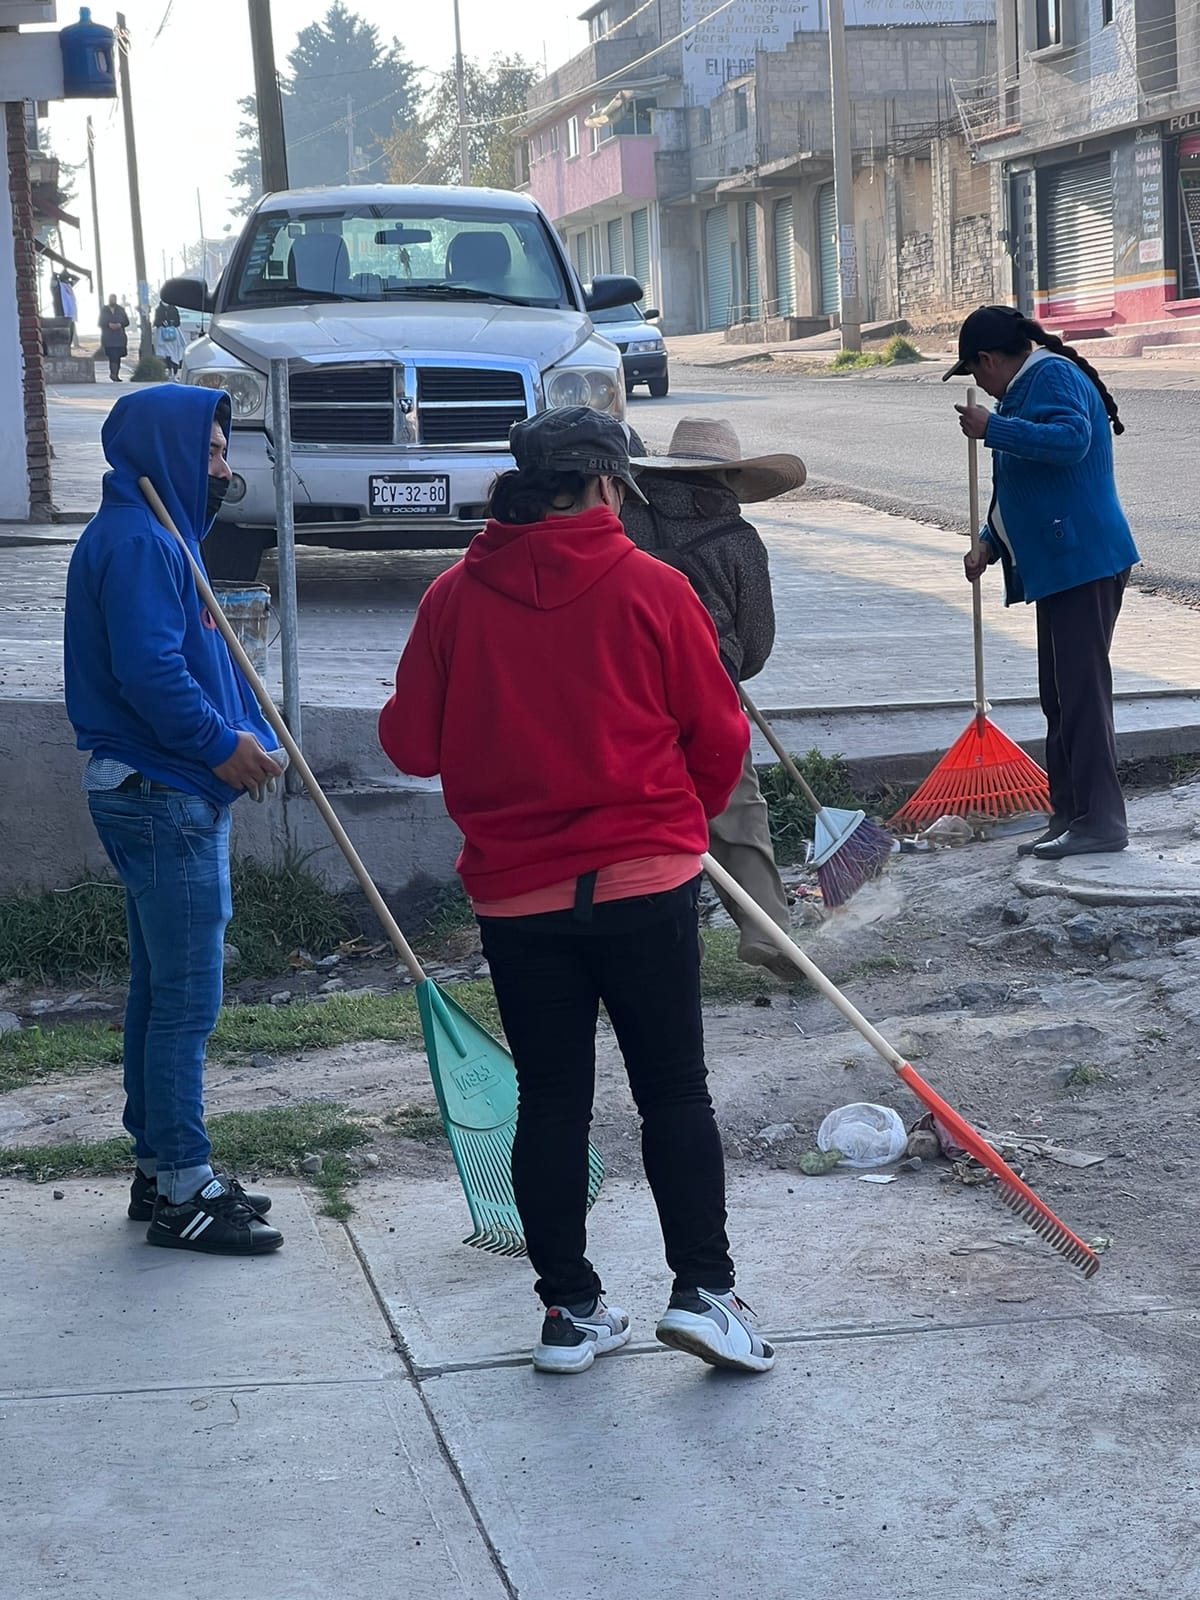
(692, 519)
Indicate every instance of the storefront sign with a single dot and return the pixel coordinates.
(1148, 170)
(1189, 119)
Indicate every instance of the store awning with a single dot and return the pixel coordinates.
(61, 261)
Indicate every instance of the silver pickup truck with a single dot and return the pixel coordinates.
(421, 323)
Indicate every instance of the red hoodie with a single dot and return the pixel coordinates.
(567, 688)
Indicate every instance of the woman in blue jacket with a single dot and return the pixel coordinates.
(1057, 529)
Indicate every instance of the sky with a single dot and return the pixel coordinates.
(189, 70)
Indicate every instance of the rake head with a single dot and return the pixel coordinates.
(1017, 1195)
(476, 1087)
(862, 854)
(983, 775)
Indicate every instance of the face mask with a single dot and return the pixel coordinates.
(218, 488)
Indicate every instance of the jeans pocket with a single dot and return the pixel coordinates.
(128, 840)
(193, 813)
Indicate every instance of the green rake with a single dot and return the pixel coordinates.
(473, 1074)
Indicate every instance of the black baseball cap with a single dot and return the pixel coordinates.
(574, 439)
(989, 328)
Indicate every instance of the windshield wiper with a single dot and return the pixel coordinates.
(453, 291)
(291, 291)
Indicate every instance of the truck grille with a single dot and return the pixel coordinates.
(364, 405)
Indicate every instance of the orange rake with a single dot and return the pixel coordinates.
(984, 774)
(1016, 1194)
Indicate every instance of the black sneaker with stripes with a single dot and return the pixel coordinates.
(220, 1220)
(143, 1192)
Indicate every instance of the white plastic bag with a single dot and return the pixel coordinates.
(867, 1135)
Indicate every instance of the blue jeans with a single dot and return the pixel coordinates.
(171, 851)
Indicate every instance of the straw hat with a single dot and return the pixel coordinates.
(703, 445)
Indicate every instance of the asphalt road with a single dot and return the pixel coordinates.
(894, 443)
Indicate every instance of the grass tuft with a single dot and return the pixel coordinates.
(78, 934)
(249, 1142)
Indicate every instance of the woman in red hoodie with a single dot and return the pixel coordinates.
(569, 691)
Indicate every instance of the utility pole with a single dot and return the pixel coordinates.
(272, 148)
(146, 343)
(91, 143)
(349, 138)
(843, 179)
(464, 138)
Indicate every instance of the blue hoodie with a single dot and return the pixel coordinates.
(149, 680)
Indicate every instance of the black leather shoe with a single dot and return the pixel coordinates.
(1074, 843)
(1058, 826)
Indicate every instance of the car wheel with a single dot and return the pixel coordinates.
(660, 386)
(232, 554)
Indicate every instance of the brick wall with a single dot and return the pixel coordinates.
(37, 424)
(973, 262)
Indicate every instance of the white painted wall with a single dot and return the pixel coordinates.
(14, 477)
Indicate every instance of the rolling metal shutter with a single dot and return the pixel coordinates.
(616, 246)
(718, 273)
(640, 222)
(1077, 230)
(784, 243)
(750, 235)
(831, 288)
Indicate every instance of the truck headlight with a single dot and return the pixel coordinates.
(247, 390)
(585, 386)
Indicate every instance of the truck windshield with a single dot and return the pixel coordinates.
(397, 252)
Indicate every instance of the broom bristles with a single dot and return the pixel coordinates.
(984, 774)
(862, 857)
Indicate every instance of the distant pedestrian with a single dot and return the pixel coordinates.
(174, 737)
(693, 520)
(1057, 528)
(568, 690)
(114, 324)
(169, 344)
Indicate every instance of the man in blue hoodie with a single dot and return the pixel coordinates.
(174, 736)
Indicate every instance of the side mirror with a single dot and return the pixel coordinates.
(652, 316)
(188, 294)
(607, 292)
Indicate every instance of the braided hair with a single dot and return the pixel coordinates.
(1030, 332)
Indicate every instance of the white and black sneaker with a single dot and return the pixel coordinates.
(220, 1220)
(143, 1192)
(571, 1340)
(717, 1327)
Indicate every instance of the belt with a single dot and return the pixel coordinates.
(135, 780)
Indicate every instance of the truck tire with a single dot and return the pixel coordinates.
(233, 554)
(660, 386)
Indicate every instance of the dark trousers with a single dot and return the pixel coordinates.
(114, 366)
(1074, 632)
(641, 958)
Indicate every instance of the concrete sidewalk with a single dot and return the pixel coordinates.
(873, 657)
(357, 1418)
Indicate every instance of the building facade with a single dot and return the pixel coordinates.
(1093, 124)
(703, 164)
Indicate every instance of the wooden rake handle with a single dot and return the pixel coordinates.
(772, 738)
(764, 925)
(981, 703)
(282, 732)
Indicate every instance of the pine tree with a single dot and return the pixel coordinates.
(341, 56)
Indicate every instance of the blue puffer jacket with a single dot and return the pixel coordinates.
(1052, 470)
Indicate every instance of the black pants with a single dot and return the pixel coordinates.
(1074, 631)
(114, 367)
(641, 958)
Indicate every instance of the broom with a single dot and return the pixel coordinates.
(473, 1074)
(985, 773)
(847, 848)
(1016, 1194)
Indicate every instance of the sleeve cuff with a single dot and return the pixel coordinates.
(218, 751)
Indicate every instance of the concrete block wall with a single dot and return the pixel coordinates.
(36, 415)
(973, 279)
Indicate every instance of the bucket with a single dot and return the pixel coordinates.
(248, 607)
